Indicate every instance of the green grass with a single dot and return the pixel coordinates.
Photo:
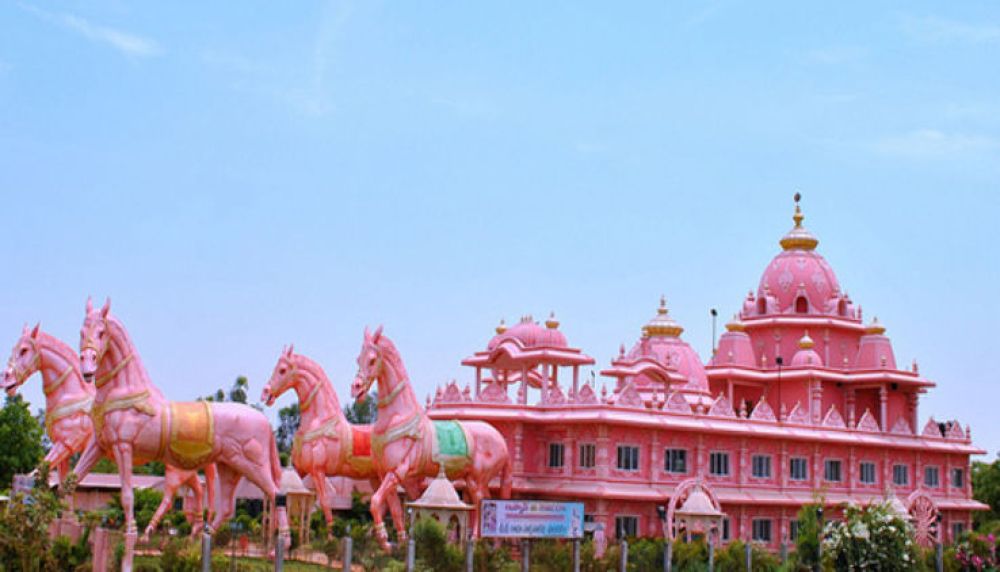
(256, 564)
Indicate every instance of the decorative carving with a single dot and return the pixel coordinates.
(628, 396)
(955, 430)
(677, 404)
(868, 422)
(494, 393)
(924, 514)
(798, 415)
(586, 396)
(833, 418)
(452, 393)
(931, 429)
(763, 411)
(902, 427)
(721, 407)
(555, 396)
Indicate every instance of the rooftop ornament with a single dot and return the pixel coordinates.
(798, 237)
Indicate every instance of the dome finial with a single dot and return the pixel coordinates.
(552, 323)
(663, 305)
(798, 237)
(662, 324)
(502, 327)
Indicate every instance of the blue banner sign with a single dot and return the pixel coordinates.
(531, 519)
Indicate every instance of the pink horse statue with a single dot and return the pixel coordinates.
(325, 443)
(135, 423)
(408, 446)
(67, 413)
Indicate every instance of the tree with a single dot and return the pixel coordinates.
(238, 392)
(25, 543)
(986, 489)
(288, 423)
(362, 412)
(20, 440)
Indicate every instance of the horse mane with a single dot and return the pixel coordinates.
(391, 355)
(120, 334)
(313, 367)
(57, 346)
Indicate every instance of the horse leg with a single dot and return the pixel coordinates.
(199, 507)
(396, 511)
(58, 457)
(386, 487)
(319, 481)
(123, 456)
(88, 459)
(211, 475)
(475, 490)
(228, 479)
(169, 490)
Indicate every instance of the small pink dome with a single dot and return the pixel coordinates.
(661, 341)
(531, 335)
(806, 356)
(734, 347)
(875, 349)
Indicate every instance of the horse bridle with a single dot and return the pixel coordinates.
(21, 374)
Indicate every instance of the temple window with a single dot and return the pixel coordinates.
(761, 531)
(762, 466)
(793, 530)
(588, 455)
(626, 526)
(718, 464)
(957, 478)
(900, 475)
(931, 476)
(556, 455)
(725, 529)
(867, 473)
(675, 460)
(628, 458)
(762, 305)
(831, 470)
(842, 307)
(801, 305)
(957, 528)
(798, 468)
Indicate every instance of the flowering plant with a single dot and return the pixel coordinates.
(977, 552)
(873, 538)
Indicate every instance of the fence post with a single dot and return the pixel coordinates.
(411, 554)
(348, 552)
(525, 555)
(576, 555)
(748, 555)
(623, 563)
(470, 553)
(668, 556)
(711, 553)
(784, 551)
(206, 550)
(939, 556)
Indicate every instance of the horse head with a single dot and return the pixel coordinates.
(94, 339)
(25, 360)
(370, 364)
(282, 378)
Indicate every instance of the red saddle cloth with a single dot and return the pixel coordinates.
(362, 445)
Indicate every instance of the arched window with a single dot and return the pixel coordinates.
(801, 305)
(762, 305)
(842, 307)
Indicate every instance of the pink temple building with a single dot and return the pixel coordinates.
(801, 398)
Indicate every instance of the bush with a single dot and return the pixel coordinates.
(873, 538)
(732, 558)
(69, 555)
(977, 551)
(433, 549)
(490, 558)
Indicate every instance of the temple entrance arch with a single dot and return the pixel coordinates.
(694, 508)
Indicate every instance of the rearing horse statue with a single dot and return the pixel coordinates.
(408, 446)
(326, 443)
(135, 423)
(67, 413)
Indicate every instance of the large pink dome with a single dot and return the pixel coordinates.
(799, 280)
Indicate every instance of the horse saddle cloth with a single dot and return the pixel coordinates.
(192, 433)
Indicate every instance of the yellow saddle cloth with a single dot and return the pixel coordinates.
(192, 433)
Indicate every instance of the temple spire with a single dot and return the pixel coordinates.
(798, 238)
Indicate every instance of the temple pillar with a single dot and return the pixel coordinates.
(698, 468)
(519, 449)
(851, 469)
(603, 458)
(479, 381)
(576, 380)
(743, 462)
(883, 408)
(524, 385)
(914, 412)
(851, 398)
(569, 452)
(654, 456)
(817, 473)
(782, 468)
(545, 383)
(816, 408)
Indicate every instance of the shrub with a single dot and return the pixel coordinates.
(433, 549)
(732, 558)
(873, 538)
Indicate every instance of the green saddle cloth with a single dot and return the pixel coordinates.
(451, 439)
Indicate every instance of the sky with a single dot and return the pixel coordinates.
(241, 178)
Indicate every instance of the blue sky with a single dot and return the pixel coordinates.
(237, 179)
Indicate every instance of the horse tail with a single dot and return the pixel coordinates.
(275, 462)
(506, 477)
